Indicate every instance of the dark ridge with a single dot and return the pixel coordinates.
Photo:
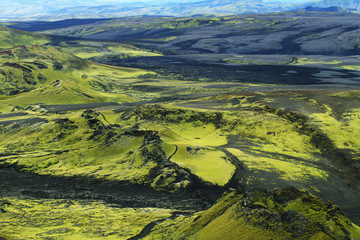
(17, 123)
(10, 115)
(192, 71)
(16, 183)
(35, 26)
(73, 107)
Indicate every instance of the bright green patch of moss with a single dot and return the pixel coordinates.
(296, 171)
(209, 164)
(66, 219)
(343, 132)
(307, 61)
(350, 67)
(45, 75)
(103, 51)
(196, 134)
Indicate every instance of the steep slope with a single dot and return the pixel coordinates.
(283, 214)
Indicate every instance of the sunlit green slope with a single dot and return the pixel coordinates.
(34, 74)
(66, 219)
(11, 38)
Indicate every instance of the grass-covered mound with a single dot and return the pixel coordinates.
(282, 214)
(85, 144)
(34, 74)
(11, 38)
(104, 51)
(23, 68)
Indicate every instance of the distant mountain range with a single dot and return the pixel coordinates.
(348, 4)
(205, 7)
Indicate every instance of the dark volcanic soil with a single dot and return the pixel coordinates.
(185, 69)
(74, 107)
(14, 183)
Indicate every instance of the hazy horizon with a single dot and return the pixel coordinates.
(25, 10)
(73, 3)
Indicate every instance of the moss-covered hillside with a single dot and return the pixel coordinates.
(283, 214)
(11, 38)
(38, 74)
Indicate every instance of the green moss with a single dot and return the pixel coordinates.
(165, 229)
(350, 67)
(209, 164)
(286, 213)
(30, 78)
(308, 61)
(11, 38)
(84, 144)
(103, 51)
(285, 169)
(343, 132)
(65, 219)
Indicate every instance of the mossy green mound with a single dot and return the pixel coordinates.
(104, 51)
(86, 145)
(10, 38)
(26, 67)
(283, 214)
(33, 75)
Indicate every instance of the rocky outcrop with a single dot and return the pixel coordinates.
(166, 175)
(287, 213)
(158, 112)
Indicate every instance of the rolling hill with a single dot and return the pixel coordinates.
(38, 74)
(11, 38)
